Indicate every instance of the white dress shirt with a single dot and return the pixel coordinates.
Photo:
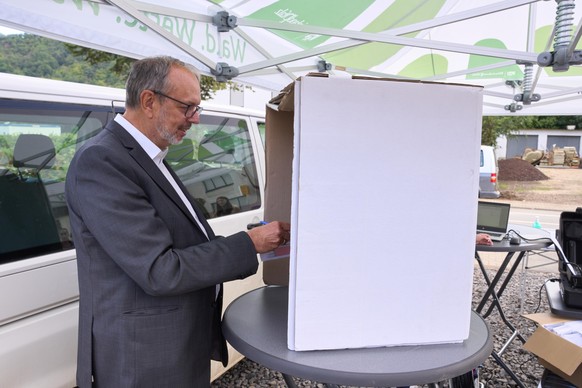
(157, 156)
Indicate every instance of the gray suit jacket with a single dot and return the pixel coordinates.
(148, 314)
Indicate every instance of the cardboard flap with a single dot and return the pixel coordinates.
(284, 101)
(545, 318)
(279, 141)
(566, 357)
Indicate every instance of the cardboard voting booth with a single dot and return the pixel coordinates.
(379, 179)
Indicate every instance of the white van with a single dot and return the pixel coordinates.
(42, 124)
(488, 173)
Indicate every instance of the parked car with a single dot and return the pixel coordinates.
(488, 173)
(42, 124)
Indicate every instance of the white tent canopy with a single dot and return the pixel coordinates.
(521, 51)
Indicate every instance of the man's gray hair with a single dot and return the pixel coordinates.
(151, 74)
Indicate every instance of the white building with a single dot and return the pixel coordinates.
(541, 139)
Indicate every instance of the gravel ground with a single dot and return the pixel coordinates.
(249, 374)
(521, 362)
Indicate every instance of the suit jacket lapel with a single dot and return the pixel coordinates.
(142, 158)
(199, 214)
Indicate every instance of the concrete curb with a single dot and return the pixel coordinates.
(539, 205)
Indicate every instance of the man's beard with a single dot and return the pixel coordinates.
(172, 137)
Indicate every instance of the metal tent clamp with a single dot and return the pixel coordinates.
(527, 97)
(223, 72)
(224, 22)
(564, 54)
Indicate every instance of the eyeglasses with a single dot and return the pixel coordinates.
(191, 109)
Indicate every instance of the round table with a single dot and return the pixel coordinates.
(256, 325)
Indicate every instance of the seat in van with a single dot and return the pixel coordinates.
(34, 151)
(27, 220)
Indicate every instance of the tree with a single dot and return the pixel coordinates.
(121, 65)
(495, 126)
(36, 56)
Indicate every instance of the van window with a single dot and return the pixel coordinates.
(482, 159)
(262, 130)
(38, 140)
(216, 163)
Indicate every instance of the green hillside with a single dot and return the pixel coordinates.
(35, 56)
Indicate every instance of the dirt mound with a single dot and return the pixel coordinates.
(519, 170)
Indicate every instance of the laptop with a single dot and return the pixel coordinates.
(492, 218)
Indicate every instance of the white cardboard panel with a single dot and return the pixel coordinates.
(385, 183)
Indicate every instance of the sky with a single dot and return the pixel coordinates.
(8, 31)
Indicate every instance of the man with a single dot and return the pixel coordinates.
(148, 262)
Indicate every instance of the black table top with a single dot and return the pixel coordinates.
(535, 239)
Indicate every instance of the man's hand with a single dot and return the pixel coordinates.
(483, 239)
(270, 236)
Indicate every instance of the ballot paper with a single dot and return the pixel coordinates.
(570, 330)
(281, 252)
